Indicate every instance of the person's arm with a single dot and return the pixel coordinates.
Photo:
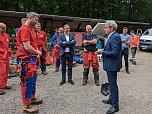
(25, 38)
(61, 43)
(85, 42)
(94, 41)
(115, 45)
(30, 49)
(138, 41)
(71, 43)
(127, 41)
(45, 36)
(124, 41)
(88, 42)
(53, 40)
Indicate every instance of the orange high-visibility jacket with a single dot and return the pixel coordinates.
(134, 41)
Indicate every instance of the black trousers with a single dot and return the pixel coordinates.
(69, 58)
(125, 53)
(43, 65)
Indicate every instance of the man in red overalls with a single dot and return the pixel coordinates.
(41, 40)
(5, 53)
(90, 56)
(28, 53)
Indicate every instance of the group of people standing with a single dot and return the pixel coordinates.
(31, 51)
(129, 41)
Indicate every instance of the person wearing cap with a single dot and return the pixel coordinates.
(28, 53)
(5, 53)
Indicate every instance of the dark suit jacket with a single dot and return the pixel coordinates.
(112, 53)
(69, 44)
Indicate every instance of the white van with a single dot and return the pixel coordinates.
(146, 40)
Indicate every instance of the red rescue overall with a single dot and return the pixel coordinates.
(28, 80)
(90, 57)
(41, 40)
(5, 53)
(29, 66)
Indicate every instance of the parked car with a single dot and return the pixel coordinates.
(146, 40)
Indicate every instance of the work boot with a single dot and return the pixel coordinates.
(57, 69)
(30, 109)
(127, 71)
(96, 76)
(2, 92)
(84, 81)
(96, 81)
(85, 76)
(44, 73)
(107, 88)
(104, 90)
(134, 62)
(36, 101)
(8, 87)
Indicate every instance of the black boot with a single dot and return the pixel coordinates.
(84, 81)
(96, 81)
(96, 76)
(107, 88)
(2, 92)
(104, 90)
(134, 62)
(85, 76)
(44, 72)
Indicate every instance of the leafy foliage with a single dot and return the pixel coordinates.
(131, 10)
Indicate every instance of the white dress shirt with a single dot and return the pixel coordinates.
(106, 40)
(67, 39)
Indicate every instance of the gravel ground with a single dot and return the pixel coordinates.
(135, 92)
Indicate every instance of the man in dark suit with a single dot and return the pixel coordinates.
(112, 63)
(67, 42)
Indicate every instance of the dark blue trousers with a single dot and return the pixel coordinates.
(114, 96)
(69, 58)
(57, 63)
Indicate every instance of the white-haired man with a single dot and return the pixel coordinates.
(112, 63)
